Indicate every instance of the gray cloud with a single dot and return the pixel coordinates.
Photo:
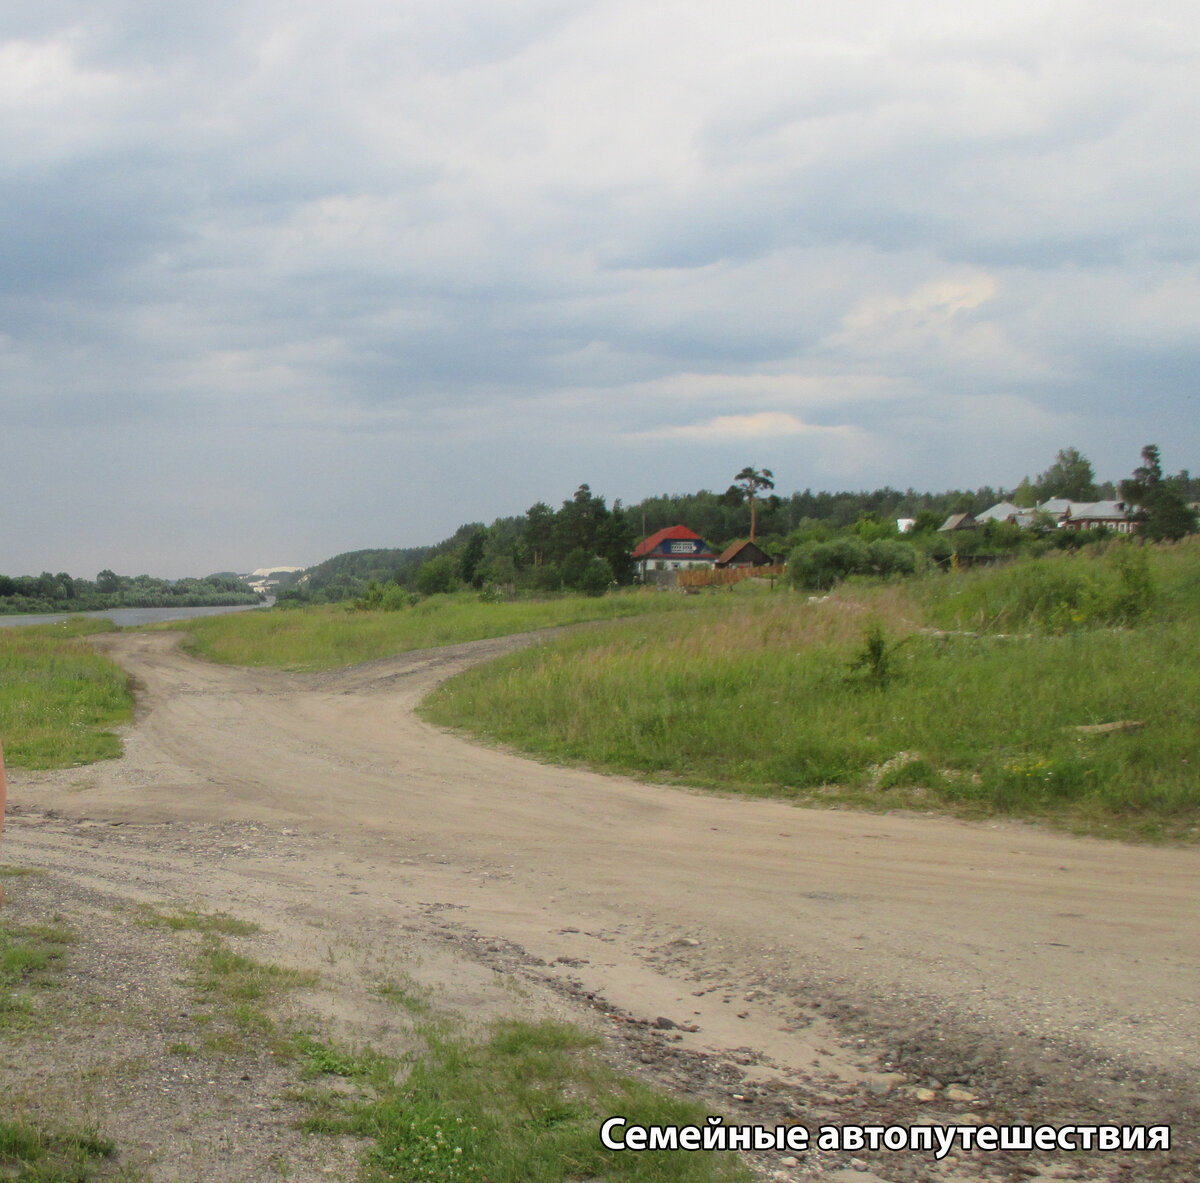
(270, 272)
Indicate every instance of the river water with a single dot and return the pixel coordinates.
(128, 616)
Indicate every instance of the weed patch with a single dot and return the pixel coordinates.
(32, 1152)
(235, 978)
(193, 920)
(241, 989)
(30, 957)
(406, 994)
(523, 1105)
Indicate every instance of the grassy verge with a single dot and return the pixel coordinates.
(59, 700)
(524, 1104)
(850, 700)
(512, 1102)
(334, 635)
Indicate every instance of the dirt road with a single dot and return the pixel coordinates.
(819, 963)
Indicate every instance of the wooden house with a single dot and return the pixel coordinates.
(671, 549)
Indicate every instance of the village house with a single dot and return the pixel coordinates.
(1088, 515)
(1006, 511)
(1067, 514)
(671, 549)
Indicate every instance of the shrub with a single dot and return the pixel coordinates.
(437, 575)
(890, 557)
(587, 573)
(819, 565)
(875, 661)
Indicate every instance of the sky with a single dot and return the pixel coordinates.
(284, 279)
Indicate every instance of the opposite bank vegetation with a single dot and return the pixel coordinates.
(1063, 687)
(31, 594)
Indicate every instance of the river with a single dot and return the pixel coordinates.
(130, 616)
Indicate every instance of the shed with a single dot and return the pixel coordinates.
(744, 554)
(957, 521)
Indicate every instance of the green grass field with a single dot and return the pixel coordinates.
(848, 700)
(329, 636)
(59, 699)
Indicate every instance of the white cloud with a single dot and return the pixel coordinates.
(761, 425)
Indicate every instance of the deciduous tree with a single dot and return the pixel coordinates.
(1071, 476)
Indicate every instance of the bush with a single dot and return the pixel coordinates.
(819, 565)
(890, 557)
(587, 573)
(437, 575)
(597, 578)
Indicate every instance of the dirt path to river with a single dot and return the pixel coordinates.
(825, 967)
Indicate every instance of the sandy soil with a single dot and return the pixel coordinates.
(814, 966)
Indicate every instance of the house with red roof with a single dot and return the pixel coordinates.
(671, 549)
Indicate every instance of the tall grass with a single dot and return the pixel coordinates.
(777, 697)
(335, 635)
(59, 699)
(1060, 592)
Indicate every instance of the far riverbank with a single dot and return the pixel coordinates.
(128, 617)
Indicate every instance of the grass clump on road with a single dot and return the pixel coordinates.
(328, 636)
(194, 920)
(31, 1152)
(59, 699)
(30, 956)
(524, 1104)
(1084, 709)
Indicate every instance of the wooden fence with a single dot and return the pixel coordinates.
(724, 576)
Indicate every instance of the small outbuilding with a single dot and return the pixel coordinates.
(957, 521)
(744, 554)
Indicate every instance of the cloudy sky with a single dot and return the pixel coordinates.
(282, 279)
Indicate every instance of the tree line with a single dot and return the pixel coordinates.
(586, 544)
(63, 593)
